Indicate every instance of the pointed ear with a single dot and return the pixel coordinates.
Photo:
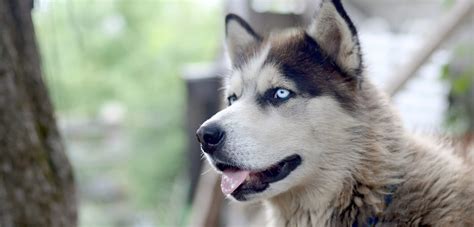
(336, 35)
(240, 38)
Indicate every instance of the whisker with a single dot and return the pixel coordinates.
(206, 171)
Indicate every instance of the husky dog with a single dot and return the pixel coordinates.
(308, 134)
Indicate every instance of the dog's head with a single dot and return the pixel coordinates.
(291, 98)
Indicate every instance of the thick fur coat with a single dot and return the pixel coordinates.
(318, 143)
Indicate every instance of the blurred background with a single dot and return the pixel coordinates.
(132, 80)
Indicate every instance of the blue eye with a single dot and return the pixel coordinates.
(231, 99)
(282, 93)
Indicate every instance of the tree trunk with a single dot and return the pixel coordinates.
(36, 180)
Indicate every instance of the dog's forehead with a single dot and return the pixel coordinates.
(254, 65)
(276, 43)
(260, 67)
(284, 57)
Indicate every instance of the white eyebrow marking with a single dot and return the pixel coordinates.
(252, 69)
(245, 78)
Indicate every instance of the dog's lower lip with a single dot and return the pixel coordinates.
(259, 180)
(280, 170)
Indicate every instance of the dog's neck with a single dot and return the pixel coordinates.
(352, 202)
(301, 207)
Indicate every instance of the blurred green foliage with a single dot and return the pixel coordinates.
(460, 75)
(131, 53)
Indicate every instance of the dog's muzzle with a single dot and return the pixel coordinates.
(238, 180)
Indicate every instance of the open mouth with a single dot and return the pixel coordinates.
(241, 182)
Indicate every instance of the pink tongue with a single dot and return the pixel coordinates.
(231, 180)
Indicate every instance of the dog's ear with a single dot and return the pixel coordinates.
(240, 38)
(337, 36)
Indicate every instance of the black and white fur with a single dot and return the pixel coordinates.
(353, 149)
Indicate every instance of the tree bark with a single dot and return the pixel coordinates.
(36, 180)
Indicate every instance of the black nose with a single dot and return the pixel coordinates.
(210, 137)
